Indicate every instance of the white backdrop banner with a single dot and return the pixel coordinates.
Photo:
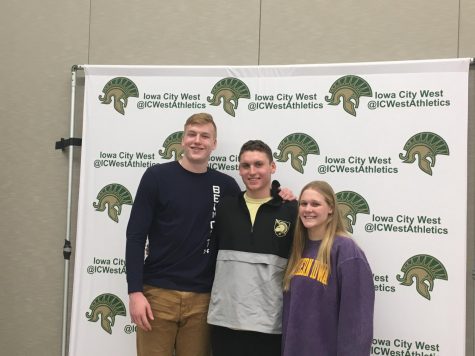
(390, 137)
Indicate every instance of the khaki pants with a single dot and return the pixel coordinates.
(180, 324)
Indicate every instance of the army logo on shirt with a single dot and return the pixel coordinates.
(424, 270)
(425, 145)
(172, 146)
(230, 90)
(119, 89)
(113, 196)
(348, 89)
(298, 146)
(350, 204)
(107, 307)
(281, 227)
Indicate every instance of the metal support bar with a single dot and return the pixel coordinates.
(67, 244)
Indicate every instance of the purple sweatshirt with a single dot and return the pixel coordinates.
(335, 319)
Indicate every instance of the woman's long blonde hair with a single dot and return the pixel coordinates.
(334, 226)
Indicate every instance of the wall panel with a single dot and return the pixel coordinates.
(313, 31)
(200, 32)
(40, 41)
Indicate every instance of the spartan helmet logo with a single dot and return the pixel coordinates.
(349, 89)
(351, 204)
(298, 146)
(425, 145)
(281, 227)
(106, 306)
(424, 269)
(172, 146)
(113, 196)
(119, 89)
(230, 90)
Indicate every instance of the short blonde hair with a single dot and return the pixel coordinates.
(201, 118)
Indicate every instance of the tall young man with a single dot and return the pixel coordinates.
(174, 210)
(254, 233)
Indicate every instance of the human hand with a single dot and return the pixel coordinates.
(287, 194)
(140, 310)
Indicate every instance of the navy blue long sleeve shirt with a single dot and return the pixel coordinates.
(174, 208)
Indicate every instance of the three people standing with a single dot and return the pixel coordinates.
(328, 291)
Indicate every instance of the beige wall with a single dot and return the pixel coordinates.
(41, 41)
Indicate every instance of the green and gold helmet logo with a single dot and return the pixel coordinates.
(113, 196)
(351, 204)
(230, 90)
(119, 89)
(172, 146)
(424, 269)
(426, 146)
(107, 307)
(349, 89)
(297, 146)
(281, 227)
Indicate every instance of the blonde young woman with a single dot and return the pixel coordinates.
(328, 284)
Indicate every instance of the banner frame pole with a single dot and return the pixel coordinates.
(67, 245)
